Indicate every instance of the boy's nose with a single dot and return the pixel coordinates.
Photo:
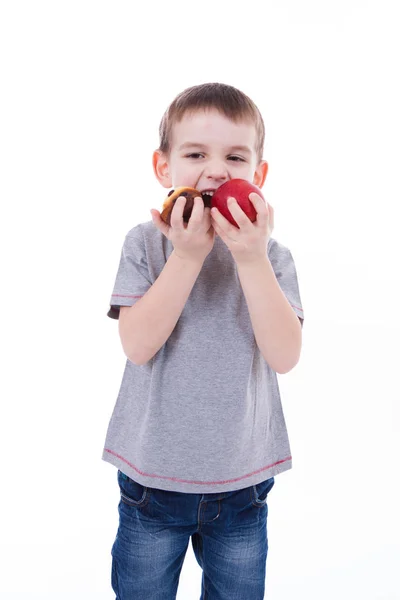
(217, 171)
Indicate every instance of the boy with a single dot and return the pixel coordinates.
(208, 314)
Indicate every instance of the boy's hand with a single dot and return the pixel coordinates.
(193, 240)
(249, 242)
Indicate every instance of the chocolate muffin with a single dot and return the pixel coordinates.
(190, 194)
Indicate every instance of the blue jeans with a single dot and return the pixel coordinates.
(229, 539)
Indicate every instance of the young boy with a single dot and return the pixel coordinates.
(208, 315)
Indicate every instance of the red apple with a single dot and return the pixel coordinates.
(240, 190)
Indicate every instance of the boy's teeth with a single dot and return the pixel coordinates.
(209, 193)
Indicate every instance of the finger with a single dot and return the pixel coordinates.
(216, 228)
(196, 216)
(261, 207)
(217, 218)
(238, 214)
(222, 222)
(207, 216)
(259, 203)
(159, 223)
(177, 213)
(210, 229)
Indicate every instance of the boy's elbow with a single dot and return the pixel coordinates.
(283, 371)
(285, 368)
(136, 359)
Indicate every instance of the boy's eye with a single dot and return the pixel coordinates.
(196, 154)
(236, 158)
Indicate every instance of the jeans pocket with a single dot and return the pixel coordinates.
(132, 492)
(261, 491)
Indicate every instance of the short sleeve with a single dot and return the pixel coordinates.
(132, 280)
(285, 272)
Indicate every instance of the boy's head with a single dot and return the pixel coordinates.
(209, 134)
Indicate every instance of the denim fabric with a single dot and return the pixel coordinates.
(229, 539)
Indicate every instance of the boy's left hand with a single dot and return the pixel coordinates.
(249, 242)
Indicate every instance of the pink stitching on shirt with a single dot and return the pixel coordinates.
(298, 307)
(197, 482)
(124, 296)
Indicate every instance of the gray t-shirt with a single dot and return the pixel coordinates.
(204, 415)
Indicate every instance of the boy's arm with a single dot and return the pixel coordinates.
(146, 326)
(275, 324)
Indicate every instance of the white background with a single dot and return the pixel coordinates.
(84, 86)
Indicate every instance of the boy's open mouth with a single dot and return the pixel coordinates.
(207, 195)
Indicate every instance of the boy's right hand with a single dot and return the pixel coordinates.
(193, 240)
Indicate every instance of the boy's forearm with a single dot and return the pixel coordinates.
(275, 324)
(150, 322)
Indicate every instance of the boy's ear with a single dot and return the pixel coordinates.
(161, 169)
(260, 174)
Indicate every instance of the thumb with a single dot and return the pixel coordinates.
(159, 223)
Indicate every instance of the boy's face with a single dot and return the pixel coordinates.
(208, 149)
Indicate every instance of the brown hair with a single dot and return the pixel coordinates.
(230, 101)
